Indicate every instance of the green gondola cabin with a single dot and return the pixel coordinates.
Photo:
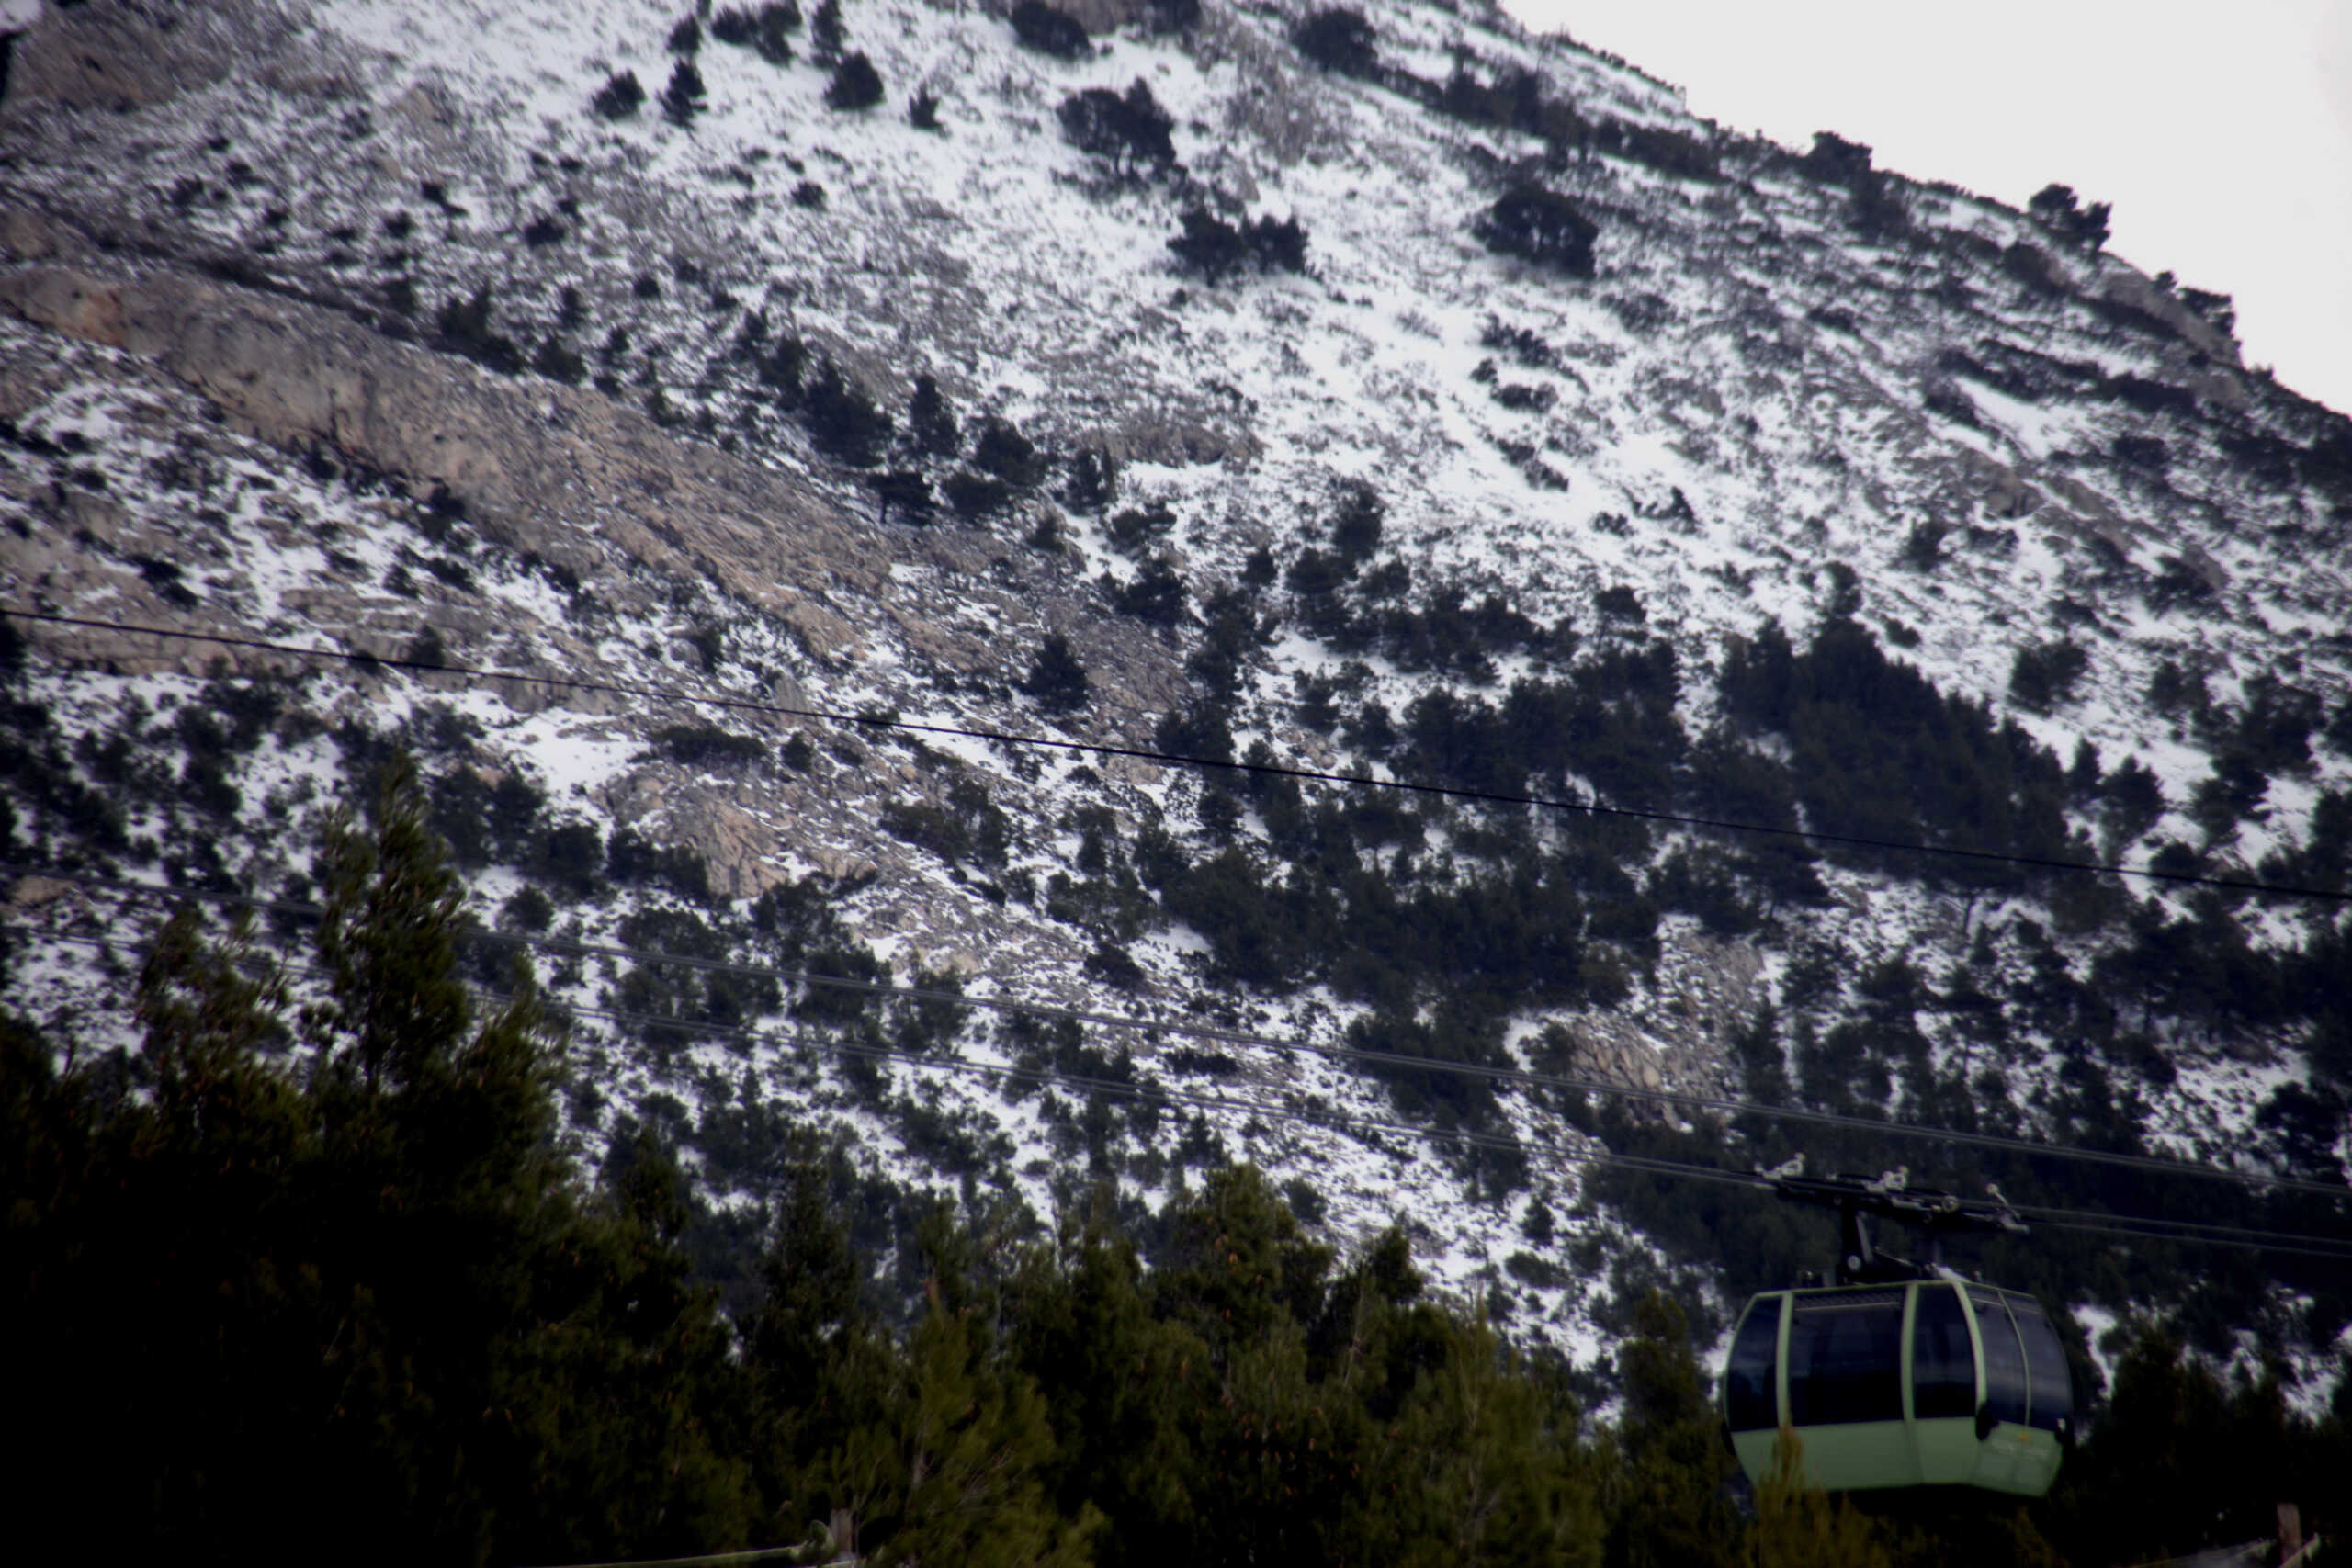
(1930, 1380)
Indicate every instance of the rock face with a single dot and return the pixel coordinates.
(118, 55)
(544, 468)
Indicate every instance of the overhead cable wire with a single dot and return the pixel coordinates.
(1170, 759)
(1681, 1099)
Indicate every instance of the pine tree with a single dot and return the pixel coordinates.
(1093, 482)
(1798, 1526)
(683, 99)
(1669, 1510)
(1209, 246)
(620, 98)
(1057, 681)
(856, 83)
(930, 420)
(826, 35)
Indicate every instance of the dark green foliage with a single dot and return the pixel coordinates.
(930, 420)
(1093, 482)
(558, 362)
(966, 826)
(808, 194)
(631, 858)
(767, 30)
(904, 491)
(856, 84)
(825, 33)
(1515, 100)
(1541, 226)
(840, 417)
(685, 37)
(1001, 450)
(1215, 249)
(1880, 754)
(620, 98)
(2045, 675)
(1139, 528)
(683, 99)
(1834, 160)
(463, 327)
(976, 497)
(292, 1297)
(570, 856)
(1668, 152)
(1129, 128)
(1339, 39)
(1056, 680)
(1157, 595)
(1049, 31)
(923, 110)
(707, 747)
(2185, 1461)
(1277, 245)
(1674, 1512)
(2056, 207)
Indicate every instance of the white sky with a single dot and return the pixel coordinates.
(2222, 134)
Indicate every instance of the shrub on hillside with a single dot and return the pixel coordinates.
(1128, 129)
(620, 98)
(1339, 39)
(856, 84)
(2045, 675)
(1047, 30)
(764, 30)
(1541, 226)
(840, 418)
(930, 420)
(1215, 249)
(2056, 209)
(683, 99)
(463, 327)
(1056, 680)
(1000, 449)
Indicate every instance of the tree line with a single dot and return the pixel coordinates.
(296, 1276)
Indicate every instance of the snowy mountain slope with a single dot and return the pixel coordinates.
(2002, 442)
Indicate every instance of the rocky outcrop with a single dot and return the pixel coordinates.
(115, 55)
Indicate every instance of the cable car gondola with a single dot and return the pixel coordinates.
(1901, 1374)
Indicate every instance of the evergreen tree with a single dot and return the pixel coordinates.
(1277, 244)
(1000, 449)
(1798, 1526)
(683, 99)
(1057, 681)
(930, 420)
(620, 98)
(371, 1291)
(906, 490)
(1049, 31)
(1093, 482)
(826, 35)
(1339, 39)
(856, 83)
(842, 420)
(1542, 226)
(1209, 246)
(1670, 1511)
(1128, 129)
